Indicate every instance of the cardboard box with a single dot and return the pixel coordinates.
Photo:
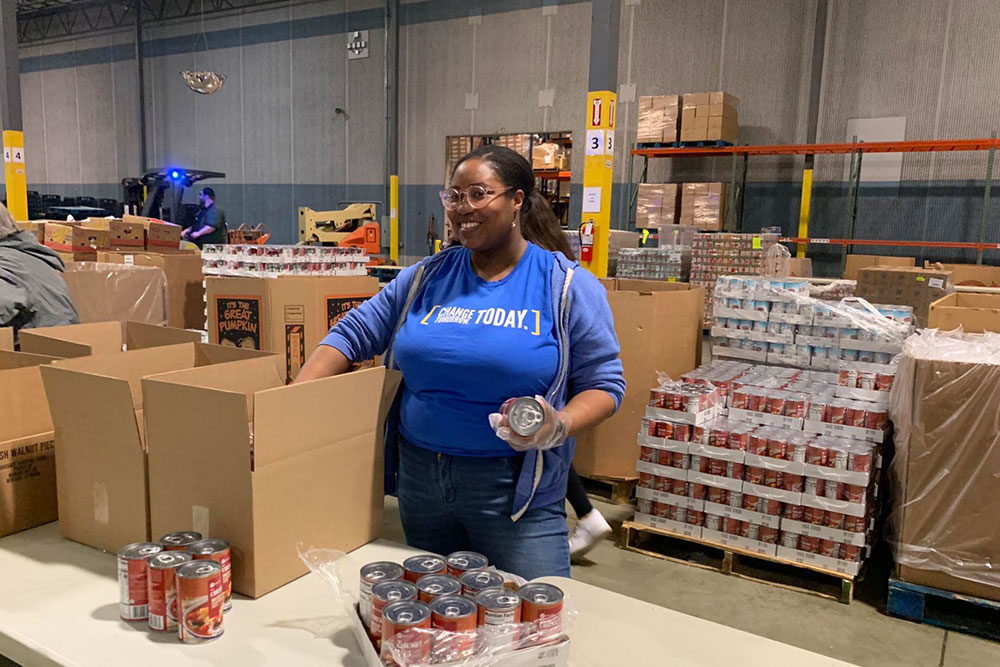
(857, 262)
(7, 339)
(688, 116)
(75, 238)
(160, 235)
(800, 267)
(946, 488)
(27, 452)
(724, 98)
(36, 227)
(105, 292)
(314, 472)
(185, 282)
(84, 340)
(723, 111)
(289, 315)
(970, 275)
(693, 100)
(97, 408)
(975, 313)
(129, 235)
(644, 311)
(904, 286)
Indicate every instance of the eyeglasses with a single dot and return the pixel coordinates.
(477, 195)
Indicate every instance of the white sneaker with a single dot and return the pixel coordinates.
(590, 529)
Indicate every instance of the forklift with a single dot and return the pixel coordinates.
(145, 195)
(352, 227)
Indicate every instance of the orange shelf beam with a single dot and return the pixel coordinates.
(911, 244)
(930, 146)
(552, 174)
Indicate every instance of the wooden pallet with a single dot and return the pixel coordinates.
(657, 144)
(953, 611)
(715, 143)
(615, 490)
(736, 562)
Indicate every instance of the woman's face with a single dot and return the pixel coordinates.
(491, 225)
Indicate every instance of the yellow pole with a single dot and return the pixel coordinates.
(599, 150)
(16, 173)
(394, 218)
(804, 204)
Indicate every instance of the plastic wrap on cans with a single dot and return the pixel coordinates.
(402, 641)
(456, 614)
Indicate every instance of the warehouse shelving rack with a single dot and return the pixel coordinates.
(740, 156)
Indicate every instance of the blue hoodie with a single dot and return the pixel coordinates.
(588, 359)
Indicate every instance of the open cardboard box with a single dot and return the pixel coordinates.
(97, 408)
(27, 461)
(975, 313)
(185, 282)
(659, 326)
(311, 472)
(7, 339)
(84, 340)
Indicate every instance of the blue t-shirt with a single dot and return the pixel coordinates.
(468, 345)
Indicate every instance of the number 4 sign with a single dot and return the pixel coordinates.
(18, 155)
(6, 154)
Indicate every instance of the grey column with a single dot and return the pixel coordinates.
(605, 18)
(10, 77)
(391, 100)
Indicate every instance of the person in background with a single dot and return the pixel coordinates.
(32, 290)
(470, 328)
(541, 227)
(209, 224)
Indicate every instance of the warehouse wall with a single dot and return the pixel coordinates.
(272, 128)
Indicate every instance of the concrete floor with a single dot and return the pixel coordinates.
(858, 633)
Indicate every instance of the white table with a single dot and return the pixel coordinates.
(59, 606)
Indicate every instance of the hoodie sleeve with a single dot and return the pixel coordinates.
(366, 331)
(594, 349)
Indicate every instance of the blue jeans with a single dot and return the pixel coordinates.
(453, 503)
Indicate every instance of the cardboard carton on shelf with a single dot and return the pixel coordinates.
(97, 407)
(314, 471)
(857, 262)
(122, 235)
(288, 315)
(904, 286)
(27, 451)
(84, 340)
(185, 282)
(975, 313)
(643, 310)
(970, 275)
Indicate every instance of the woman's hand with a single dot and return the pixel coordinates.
(555, 428)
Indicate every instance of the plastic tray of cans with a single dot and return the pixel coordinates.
(270, 261)
(685, 402)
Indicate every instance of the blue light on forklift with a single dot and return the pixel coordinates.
(175, 175)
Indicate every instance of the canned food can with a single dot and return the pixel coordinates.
(751, 503)
(738, 439)
(406, 623)
(834, 520)
(735, 470)
(790, 482)
(694, 517)
(433, 586)
(770, 507)
(829, 548)
(658, 397)
(542, 604)
(754, 475)
(382, 594)
(856, 524)
(642, 505)
(796, 406)
(713, 522)
(749, 530)
(417, 567)
(678, 514)
(883, 381)
(767, 535)
(681, 432)
(648, 454)
(789, 540)
(474, 581)
(716, 467)
(850, 552)
(463, 561)
(664, 484)
(661, 510)
(816, 455)
(738, 399)
(647, 480)
(680, 460)
(525, 415)
(735, 499)
(836, 413)
(219, 551)
(133, 580)
(813, 515)
(498, 606)
(776, 447)
(701, 434)
(793, 512)
(717, 495)
(854, 493)
(809, 543)
(163, 589)
(773, 479)
(776, 403)
(677, 487)
(754, 400)
(371, 574)
(664, 430)
(180, 540)
(200, 600)
(699, 463)
(732, 526)
(697, 491)
(757, 444)
(458, 614)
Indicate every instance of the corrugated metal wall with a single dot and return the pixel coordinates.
(274, 132)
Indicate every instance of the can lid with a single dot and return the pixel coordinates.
(437, 584)
(540, 593)
(424, 563)
(166, 560)
(498, 598)
(454, 606)
(180, 538)
(406, 612)
(468, 560)
(382, 571)
(394, 590)
(206, 547)
(139, 550)
(482, 579)
(198, 569)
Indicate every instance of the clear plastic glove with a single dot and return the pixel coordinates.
(555, 428)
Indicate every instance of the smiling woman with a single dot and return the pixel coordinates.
(471, 328)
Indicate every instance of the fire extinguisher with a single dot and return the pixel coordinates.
(587, 242)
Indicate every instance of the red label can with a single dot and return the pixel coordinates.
(749, 530)
(850, 552)
(384, 593)
(816, 455)
(474, 581)
(697, 491)
(646, 480)
(664, 484)
(732, 526)
(648, 454)
(180, 540)
(776, 404)
(735, 470)
(829, 548)
(776, 447)
(793, 512)
(773, 479)
(752, 503)
(757, 444)
(856, 524)
(813, 515)
(883, 382)
(200, 599)
(754, 475)
(133, 580)
(219, 551)
(458, 614)
(767, 535)
(738, 440)
(661, 510)
(371, 574)
(695, 517)
(716, 467)
(860, 461)
(717, 495)
(680, 461)
(407, 624)
(835, 414)
(682, 432)
(809, 543)
(789, 540)
(463, 561)
(498, 606)
(678, 487)
(770, 507)
(791, 482)
(834, 520)
(417, 567)
(433, 586)
(163, 589)
(738, 399)
(542, 604)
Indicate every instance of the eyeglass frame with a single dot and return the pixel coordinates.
(464, 195)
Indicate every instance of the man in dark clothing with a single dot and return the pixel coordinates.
(210, 223)
(32, 290)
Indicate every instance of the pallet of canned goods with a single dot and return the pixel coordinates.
(271, 261)
(670, 263)
(453, 610)
(715, 255)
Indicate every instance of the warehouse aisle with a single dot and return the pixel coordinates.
(858, 633)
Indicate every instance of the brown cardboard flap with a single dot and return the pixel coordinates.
(650, 286)
(213, 438)
(296, 419)
(139, 336)
(73, 340)
(9, 360)
(23, 409)
(111, 477)
(295, 501)
(221, 354)
(6, 339)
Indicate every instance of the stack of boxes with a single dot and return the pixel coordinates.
(659, 119)
(714, 255)
(656, 205)
(519, 143)
(670, 262)
(455, 150)
(761, 480)
(549, 156)
(915, 287)
(709, 117)
(704, 205)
